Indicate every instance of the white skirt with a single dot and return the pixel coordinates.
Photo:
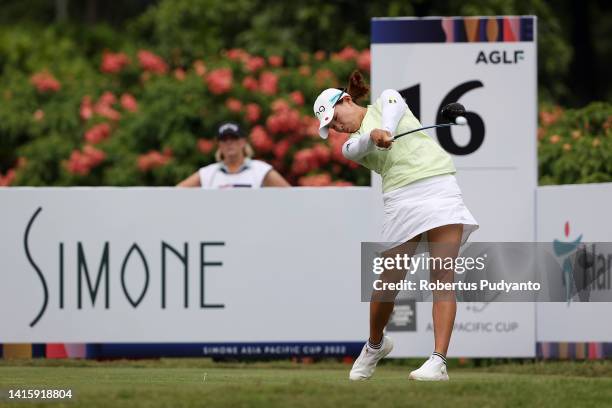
(425, 204)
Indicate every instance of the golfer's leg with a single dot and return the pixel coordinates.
(444, 242)
(380, 310)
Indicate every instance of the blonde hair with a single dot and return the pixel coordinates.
(247, 151)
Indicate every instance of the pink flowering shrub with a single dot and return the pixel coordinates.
(45, 82)
(220, 81)
(151, 62)
(113, 63)
(143, 119)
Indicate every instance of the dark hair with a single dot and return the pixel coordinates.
(357, 87)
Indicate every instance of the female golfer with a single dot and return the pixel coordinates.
(421, 198)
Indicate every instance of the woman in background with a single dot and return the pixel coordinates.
(234, 166)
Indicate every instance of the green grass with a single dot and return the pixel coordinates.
(203, 383)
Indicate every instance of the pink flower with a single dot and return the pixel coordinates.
(304, 70)
(98, 133)
(219, 80)
(280, 105)
(153, 159)
(346, 54)
(234, 105)
(253, 64)
(199, 67)
(113, 63)
(275, 60)
(8, 178)
(550, 117)
(281, 149)
(78, 163)
(86, 109)
(322, 153)
(179, 74)
(309, 127)
(303, 161)
(81, 162)
(342, 183)
(317, 180)
(205, 145)
(39, 115)
(107, 98)
(268, 83)
(285, 121)
(324, 77)
(250, 83)
(253, 112)
(237, 54)
(297, 98)
(319, 55)
(261, 140)
(151, 62)
(129, 102)
(95, 156)
(364, 60)
(107, 112)
(45, 82)
(103, 107)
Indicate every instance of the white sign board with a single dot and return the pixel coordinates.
(576, 213)
(184, 265)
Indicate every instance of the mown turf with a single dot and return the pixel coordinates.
(202, 383)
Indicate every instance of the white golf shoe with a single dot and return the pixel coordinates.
(364, 366)
(434, 369)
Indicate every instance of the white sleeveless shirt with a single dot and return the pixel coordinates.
(250, 175)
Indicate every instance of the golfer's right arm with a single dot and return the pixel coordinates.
(191, 181)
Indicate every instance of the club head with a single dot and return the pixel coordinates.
(451, 111)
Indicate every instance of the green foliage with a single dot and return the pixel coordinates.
(73, 120)
(43, 132)
(575, 145)
(184, 29)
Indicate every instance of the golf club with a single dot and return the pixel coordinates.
(453, 113)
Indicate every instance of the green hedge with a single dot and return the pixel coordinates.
(99, 111)
(128, 117)
(575, 145)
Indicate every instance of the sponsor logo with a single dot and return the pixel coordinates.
(500, 57)
(583, 267)
(403, 317)
(131, 267)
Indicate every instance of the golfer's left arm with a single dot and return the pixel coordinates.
(393, 108)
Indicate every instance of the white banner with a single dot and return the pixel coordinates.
(576, 213)
(88, 265)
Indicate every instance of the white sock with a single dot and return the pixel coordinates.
(438, 358)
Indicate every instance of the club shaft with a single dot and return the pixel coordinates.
(423, 128)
